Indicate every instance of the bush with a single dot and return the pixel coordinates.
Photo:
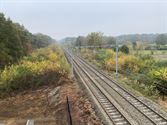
(110, 64)
(124, 49)
(126, 63)
(27, 75)
(41, 67)
(131, 63)
(103, 55)
(162, 63)
(142, 69)
(142, 79)
(159, 76)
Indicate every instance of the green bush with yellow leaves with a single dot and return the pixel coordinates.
(159, 75)
(142, 69)
(43, 66)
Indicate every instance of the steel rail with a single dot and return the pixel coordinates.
(147, 111)
(89, 89)
(116, 116)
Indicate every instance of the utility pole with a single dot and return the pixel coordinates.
(72, 63)
(116, 61)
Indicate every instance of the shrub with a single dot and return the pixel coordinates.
(87, 53)
(110, 64)
(126, 63)
(104, 55)
(162, 63)
(150, 90)
(142, 79)
(159, 76)
(41, 67)
(131, 64)
(124, 49)
(27, 74)
(142, 69)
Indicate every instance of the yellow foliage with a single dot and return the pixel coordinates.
(131, 63)
(110, 52)
(53, 57)
(160, 74)
(46, 61)
(124, 62)
(110, 64)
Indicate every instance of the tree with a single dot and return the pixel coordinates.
(111, 40)
(80, 41)
(161, 39)
(41, 40)
(134, 44)
(16, 41)
(124, 49)
(95, 39)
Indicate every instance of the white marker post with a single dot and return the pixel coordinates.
(30, 122)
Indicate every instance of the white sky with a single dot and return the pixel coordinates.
(61, 18)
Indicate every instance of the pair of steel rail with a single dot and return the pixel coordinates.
(85, 69)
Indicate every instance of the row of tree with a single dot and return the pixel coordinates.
(161, 39)
(16, 41)
(97, 39)
(94, 39)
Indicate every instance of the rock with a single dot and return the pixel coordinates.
(53, 96)
(54, 91)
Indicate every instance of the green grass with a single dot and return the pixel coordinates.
(156, 54)
(149, 52)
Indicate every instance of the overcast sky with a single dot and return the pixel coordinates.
(61, 18)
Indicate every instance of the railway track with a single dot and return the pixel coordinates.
(104, 80)
(115, 116)
(113, 113)
(146, 110)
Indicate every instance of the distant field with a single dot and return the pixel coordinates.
(157, 54)
(160, 57)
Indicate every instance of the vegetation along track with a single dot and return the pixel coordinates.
(147, 111)
(115, 116)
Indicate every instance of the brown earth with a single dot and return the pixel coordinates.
(163, 103)
(47, 106)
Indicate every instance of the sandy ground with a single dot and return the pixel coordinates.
(163, 103)
(47, 106)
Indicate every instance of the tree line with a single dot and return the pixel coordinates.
(16, 41)
(94, 39)
(97, 39)
(159, 41)
(149, 38)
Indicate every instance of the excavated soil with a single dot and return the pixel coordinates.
(47, 105)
